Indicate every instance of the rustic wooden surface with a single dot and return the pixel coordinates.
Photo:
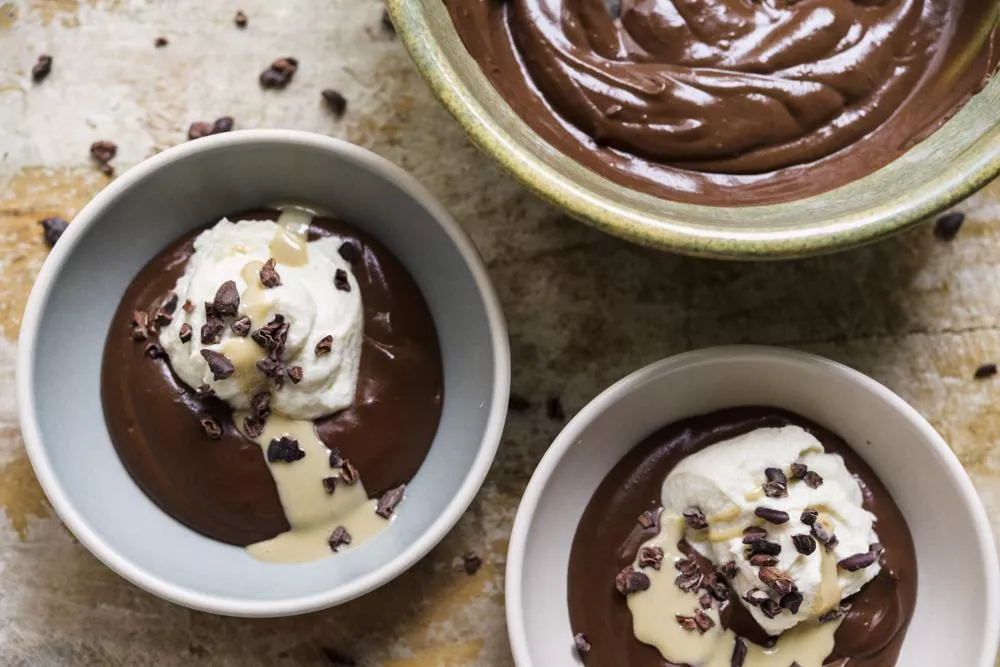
(584, 309)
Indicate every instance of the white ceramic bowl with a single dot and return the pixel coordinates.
(957, 617)
(66, 323)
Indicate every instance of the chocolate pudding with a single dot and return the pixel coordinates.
(735, 102)
(873, 622)
(218, 481)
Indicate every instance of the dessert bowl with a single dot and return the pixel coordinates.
(950, 164)
(66, 324)
(955, 552)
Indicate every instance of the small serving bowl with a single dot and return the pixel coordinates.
(66, 324)
(956, 558)
(949, 165)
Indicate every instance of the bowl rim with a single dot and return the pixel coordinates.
(669, 232)
(227, 605)
(627, 385)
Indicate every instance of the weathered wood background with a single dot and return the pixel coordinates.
(584, 309)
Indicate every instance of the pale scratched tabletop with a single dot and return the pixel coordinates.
(584, 309)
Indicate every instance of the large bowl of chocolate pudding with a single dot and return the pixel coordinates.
(750, 507)
(734, 129)
(262, 373)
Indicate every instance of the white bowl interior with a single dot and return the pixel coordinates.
(955, 554)
(108, 244)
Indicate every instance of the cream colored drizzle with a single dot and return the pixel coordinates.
(828, 595)
(290, 244)
(311, 512)
(653, 621)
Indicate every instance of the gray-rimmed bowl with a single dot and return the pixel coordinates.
(70, 309)
(948, 166)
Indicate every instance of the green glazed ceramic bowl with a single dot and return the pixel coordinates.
(948, 166)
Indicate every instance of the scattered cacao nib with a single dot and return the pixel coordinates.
(985, 371)
(185, 332)
(791, 601)
(813, 479)
(241, 327)
(471, 562)
(260, 404)
(779, 582)
(755, 596)
(140, 325)
(272, 368)
(695, 518)
(824, 537)
(581, 645)
(554, 409)
(650, 557)
(762, 560)
(211, 427)
(752, 534)
(795, 664)
(739, 653)
(163, 318)
(764, 547)
(227, 299)
(771, 515)
(715, 586)
(689, 583)
(268, 275)
(799, 470)
(340, 281)
(705, 601)
(338, 538)
(198, 129)
(686, 622)
(272, 335)
(348, 472)
(330, 484)
(160, 42)
(335, 102)
(223, 124)
(389, 500)
(52, 229)
(253, 426)
(387, 25)
(804, 544)
(169, 304)
(630, 581)
(188, 306)
(295, 374)
(211, 330)
(686, 565)
(516, 403)
(703, 621)
(219, 364)
(155, 351)
(947, 226)
(324, 346)
(775, 489)
(240, 19)
(103, 151)
(775, 475)
(279, 74)
(336, 460)
(42, 68)
(857, 561)
(350, 252)
(834, 614)
(876, 548)
(284, 449)
(204, 391)
(809, 516)
(770, 608)
(729, 569)
(647, 519)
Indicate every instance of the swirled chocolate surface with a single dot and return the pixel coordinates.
(608, 538)
(732, 102)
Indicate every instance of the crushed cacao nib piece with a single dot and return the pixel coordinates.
(211, 427)
(630, 581)
(775, 489)
(272, 335)
(169, 304)
(779, 582)
(689, 583)
(581, 645)
(776, 475)
(198, 129)
(336, 460)
(471, 561)
(686, 565)
(752, 534)
(223, 124)
(762, 560)
(324, 346)
(350, 252)
(340, 281)
(253, 426)
(729, 569)
(809, 516)
(279, 74)
(103, 151)
(703, 621)
(155, 351)
(770, 608)
(219, 364)
(42, 68)
(517, 403)
(813, 479)
(387, 25)
(389, 500)
(160, 42)
(227, 299)
(695, 518)
(834, 614)
(824, 537)
(764, 547)
(985, 371)
(705, 601)
(140, 325)
(338, 538)
(876, 548)
(240, 19)
(188, 306)
(804, 544)
(650, 557)
(52, 229)
(204, 391)
(211, 330)
(715, 586)
(260, 404)
(348, 472)
(284, 449)
(739, 653)
(686, 622)
(269, 275)
(647, 519)
(272, 368)
(755, 596)
(330, 484)
(335, 102)
(294, 374)
(857, 561)
(771, 515)
(241, 327)
(185, 333)
(791, 601)
(799, 470)
(947, 226)
(163, 318)
(554, 408)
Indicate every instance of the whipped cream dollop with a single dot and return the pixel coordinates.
(317, 297)
(778, 485)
